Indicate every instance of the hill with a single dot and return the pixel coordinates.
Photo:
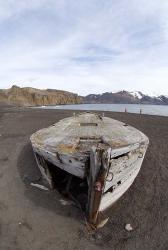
(36, 97)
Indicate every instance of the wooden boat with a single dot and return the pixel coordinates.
(91, 158)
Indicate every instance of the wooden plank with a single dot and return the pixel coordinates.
(69, 131)
(99, 164)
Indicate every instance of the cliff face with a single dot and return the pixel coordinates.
(35, 97)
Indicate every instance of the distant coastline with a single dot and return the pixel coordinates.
(159, 110)
(50, 97)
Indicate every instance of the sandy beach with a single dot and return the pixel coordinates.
(34, 219)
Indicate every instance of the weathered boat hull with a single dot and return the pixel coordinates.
(120, 185)
(102, 154)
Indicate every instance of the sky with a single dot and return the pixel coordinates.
(85, 46)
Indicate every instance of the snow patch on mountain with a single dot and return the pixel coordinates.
(136, 94)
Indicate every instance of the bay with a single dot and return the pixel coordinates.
(130, 108)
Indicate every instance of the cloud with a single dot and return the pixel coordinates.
(85, 46)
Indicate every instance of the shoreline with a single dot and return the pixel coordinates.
(98, 111)
(124, 108)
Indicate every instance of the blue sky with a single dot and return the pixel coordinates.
(85, 46)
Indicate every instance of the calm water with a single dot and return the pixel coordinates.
(131, 108)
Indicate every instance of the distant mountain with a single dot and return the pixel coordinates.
(136, 97)
(37, 97)
(34, 97)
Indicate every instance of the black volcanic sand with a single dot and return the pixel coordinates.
(34, 219)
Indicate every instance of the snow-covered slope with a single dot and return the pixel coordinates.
(136, 94)
(126, 97)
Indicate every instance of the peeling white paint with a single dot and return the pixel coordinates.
(105, 151)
